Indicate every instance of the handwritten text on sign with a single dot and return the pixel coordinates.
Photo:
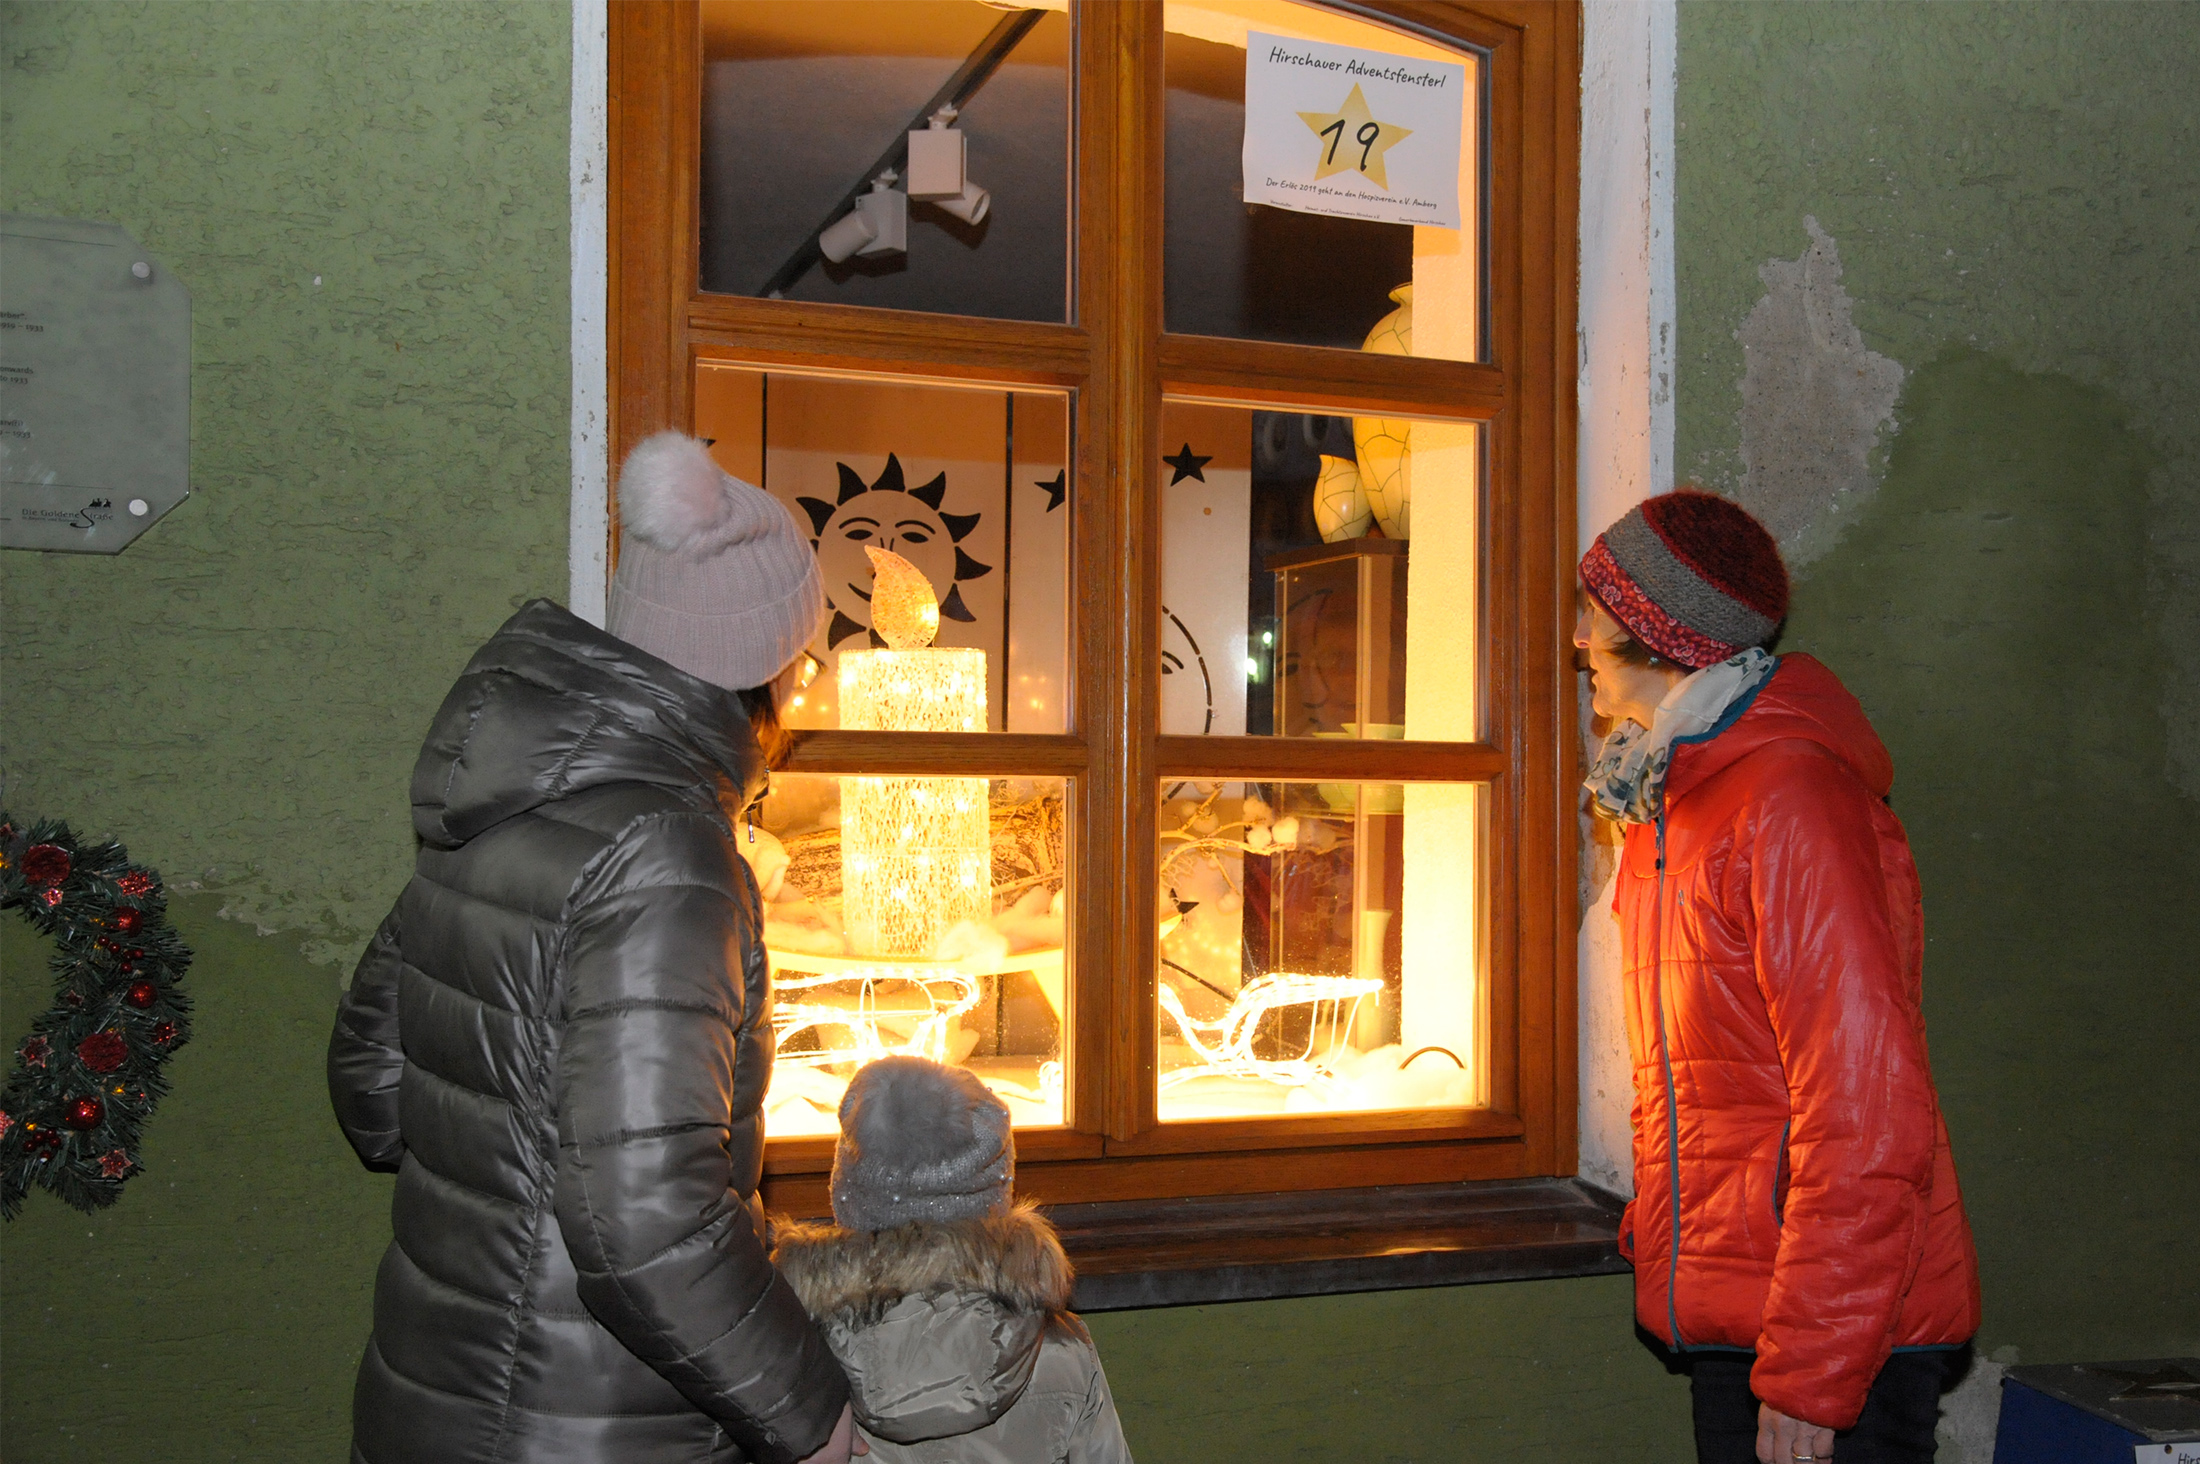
(1356, 133)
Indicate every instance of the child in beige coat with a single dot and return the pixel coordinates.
(945, 1301)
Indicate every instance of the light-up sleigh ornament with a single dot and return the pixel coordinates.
(1226, 1045)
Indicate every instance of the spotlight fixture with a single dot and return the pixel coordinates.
(878, 224)
(939, 169)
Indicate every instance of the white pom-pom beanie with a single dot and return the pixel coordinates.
(714, 575)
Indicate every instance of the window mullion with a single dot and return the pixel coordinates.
(1117, 566)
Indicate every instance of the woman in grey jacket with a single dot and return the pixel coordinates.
(558, 1038)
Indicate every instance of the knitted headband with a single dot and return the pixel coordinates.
(1691, 575)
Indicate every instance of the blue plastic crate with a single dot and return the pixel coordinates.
(2101, 1413)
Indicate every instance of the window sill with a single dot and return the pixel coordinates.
(1147, 1253)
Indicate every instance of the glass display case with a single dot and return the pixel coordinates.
(1340, 640)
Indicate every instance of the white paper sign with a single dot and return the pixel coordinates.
(1356, 133)
(2166, 1453)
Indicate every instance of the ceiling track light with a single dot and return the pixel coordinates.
(875, 219)
(939, 169)
(878, 224)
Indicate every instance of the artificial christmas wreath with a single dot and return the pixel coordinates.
(87, 1077)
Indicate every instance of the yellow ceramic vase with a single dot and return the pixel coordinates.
(1385, 444)
(1340, 504)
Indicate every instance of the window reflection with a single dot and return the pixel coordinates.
(1304, 619)
(1251, 271)
(808, 103)
(970, 486)
(912, 915)
(1318, 948)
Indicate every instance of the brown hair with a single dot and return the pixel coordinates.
(764, 725)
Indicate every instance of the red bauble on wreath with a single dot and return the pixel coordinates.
(45, 865)
(86, 1078)
(103, 1052)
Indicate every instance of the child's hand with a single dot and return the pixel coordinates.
(844, 1443)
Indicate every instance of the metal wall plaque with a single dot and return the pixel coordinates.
(95, 386)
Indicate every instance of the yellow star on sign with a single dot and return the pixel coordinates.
(1353, 141)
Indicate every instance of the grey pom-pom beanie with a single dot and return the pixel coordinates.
(714, 575)
(920, 1141)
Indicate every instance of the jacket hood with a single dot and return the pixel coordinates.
(938, 1326)
(1800, 701)
(552, 706)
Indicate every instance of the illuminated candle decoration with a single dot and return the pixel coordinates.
(916, 854)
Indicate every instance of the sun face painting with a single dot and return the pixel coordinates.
(888, 514)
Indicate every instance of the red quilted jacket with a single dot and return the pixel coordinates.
(1784, 1108)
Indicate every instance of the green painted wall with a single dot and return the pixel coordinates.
(216, 1313)
(379, 460)
(382, 473)
(2015, 193)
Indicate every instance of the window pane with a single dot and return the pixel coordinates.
(1303, 272)
(1319, 575)
(1320, 948)
(969, 486)
(912, 915)
(806, 103)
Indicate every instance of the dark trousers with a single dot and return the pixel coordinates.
(1896, 1426)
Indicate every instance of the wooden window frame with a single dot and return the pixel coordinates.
(1118, 363)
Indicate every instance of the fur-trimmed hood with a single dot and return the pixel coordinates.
(937, 1326)
(1013, 1258)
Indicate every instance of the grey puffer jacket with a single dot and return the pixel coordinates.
(958, 1341)
(559, 1041)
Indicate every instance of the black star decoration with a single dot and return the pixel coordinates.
(2163, 1382)
(1055, 491)
(1187, 464)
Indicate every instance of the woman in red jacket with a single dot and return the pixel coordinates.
(1796, 1232)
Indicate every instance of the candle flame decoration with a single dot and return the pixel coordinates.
(904, 610)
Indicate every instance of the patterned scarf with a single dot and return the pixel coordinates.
(1627, 784)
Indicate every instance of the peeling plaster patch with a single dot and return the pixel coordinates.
(1970, 1414)
(1814, 399)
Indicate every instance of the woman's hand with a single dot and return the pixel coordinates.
(844, 1443)
(1783, 1440)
